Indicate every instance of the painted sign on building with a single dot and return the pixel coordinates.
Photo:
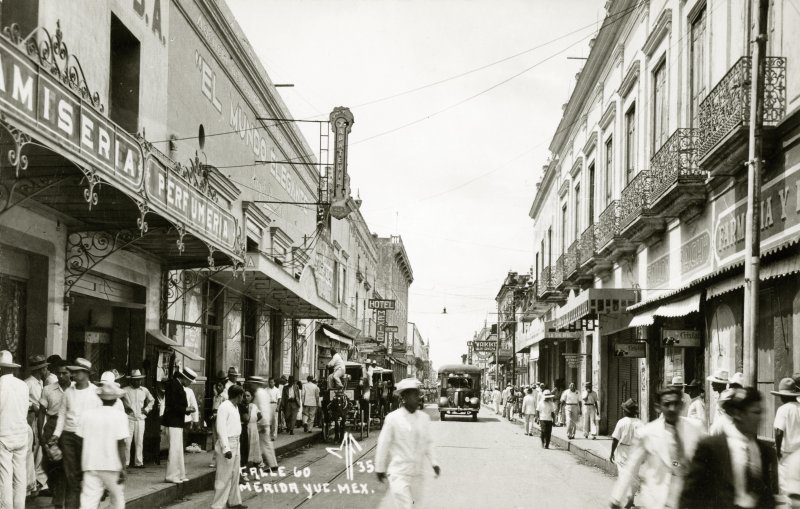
(484, 346)
(681, 338)
(633, 350)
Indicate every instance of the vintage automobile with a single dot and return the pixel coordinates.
(459, 390)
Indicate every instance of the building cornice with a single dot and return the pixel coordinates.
(578, 165)
(591, 143)
(544, 188)
(608, 115)
(661, 29)
(630, 79)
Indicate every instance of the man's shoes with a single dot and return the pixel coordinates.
(173, 481)
(139, 466)
(291, 432)
(305, 427)
(238, 506)
(594, 437)
(585, 435)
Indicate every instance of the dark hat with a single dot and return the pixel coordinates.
(695, 383)
(37, 361)
(221, 375)
(630, 405)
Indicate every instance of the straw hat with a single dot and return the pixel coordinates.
(406, 384)
(695, 383)
(80, 364)
(737, 378)
(787, 387)
(188, 373)
(107, 376)
(260, 380)
(677, 381)
(110, 391)
(547, 394)
(37, 361)
(136, 374)
(7, 360)
(720, 376)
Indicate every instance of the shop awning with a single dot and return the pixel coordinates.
(778, 268)
(683, 307)
(592, 303)
(540, 331)
(336, 337)
(158, 337)
(643, 319)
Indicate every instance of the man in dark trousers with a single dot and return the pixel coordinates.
(175, 411)
(733, 469)
(290, 400)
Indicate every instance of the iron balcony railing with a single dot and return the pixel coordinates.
(571, 260)
(588, 247)
(635, 199)
(727, 106)
(675, 161)
(544, 283)
(608, 226)
(557, 275)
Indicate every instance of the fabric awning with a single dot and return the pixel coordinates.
(778, 268)
(595, 302)
(337, 337)
(642, 319)
(160, 338)
(683, 307)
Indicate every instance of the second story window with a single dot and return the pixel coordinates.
(577, 210)
(123, 90)
(697, 69)
(630, 144)
(609, 185)
(660, 105)
(592, 192)
(563, 228)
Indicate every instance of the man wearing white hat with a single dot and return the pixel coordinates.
(787, 431)
(104, 432)
(14, 434)
(262, 400)
(139, 402)
(404, 447)
(677, 382)
(175, 412)
(37, 367)
(78, 399)
(717, 417)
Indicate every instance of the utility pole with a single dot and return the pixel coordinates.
(752, 235)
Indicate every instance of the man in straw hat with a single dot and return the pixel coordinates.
(226, 449)
(547, 414)
(49, 408)
(14, 434)
(660, 457)
(625, 434)
(175, 412)
(570, 400)
(404, 445)
(697, 407)
(677, 382)
(78, 399)
(591, 411)
(104, 431)
(138, 403)
(37, 367)
(262, 399)
(232, 379)
(717, 418)
(787, 429)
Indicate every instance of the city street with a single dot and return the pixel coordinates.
(490, 463)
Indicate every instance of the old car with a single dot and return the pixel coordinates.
(459, 390)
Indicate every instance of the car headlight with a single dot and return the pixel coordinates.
(474, 401)
(443, 401)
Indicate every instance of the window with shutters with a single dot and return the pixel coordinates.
(609, 155)
(697, 66)
(630, 144)
(660, 105)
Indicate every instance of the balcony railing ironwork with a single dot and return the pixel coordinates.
(571, 260)
(588, 247)
(557, 275)
(608, 226)
(676, 161)
(544, 283)
(635, 199)
(727, 106)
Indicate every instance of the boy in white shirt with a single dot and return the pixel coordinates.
(547, 412)
(529, 411)
(104, 431)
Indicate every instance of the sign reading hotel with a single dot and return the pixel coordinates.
(381, 304)
(341, 120)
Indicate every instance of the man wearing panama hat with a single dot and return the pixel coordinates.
(404, 445)
(138, 402)
(14, 434)
(37, 367)
(78, 399)
(719, 382)
(175, 412)
(677, 382)
(787, 429)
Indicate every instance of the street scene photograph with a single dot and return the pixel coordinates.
(399, 254)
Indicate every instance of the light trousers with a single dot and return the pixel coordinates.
(226, 479)
(406, 491)
(13, 470)
(267, 449)
(95, 482)
(273, 422)
(590, 420)
(309, 413)
(176, 470)
(573, 413)
(529, 418)
(136, 435)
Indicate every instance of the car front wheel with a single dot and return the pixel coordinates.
(441, 416)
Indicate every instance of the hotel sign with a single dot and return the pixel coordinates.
(381, 304)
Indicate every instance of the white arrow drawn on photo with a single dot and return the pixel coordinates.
(348, 444)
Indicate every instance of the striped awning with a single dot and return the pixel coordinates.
(778, 268)
(594, 302)
(683, 307)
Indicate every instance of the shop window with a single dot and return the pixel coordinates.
(123, 100)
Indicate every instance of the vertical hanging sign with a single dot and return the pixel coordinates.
(339, 185)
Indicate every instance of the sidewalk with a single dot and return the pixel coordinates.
(146, 489)
(593, 452)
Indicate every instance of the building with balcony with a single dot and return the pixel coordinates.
(646, 188)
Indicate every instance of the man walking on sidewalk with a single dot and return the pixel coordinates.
(78, 399)
(311, 403)
(290, 399)
(507, 394)
(37, 366)
(625, 434)
(591, 411)
(177, 408)
(571, 400)
(547, 413)
(529, 411)
(261, 398)
(274, 402)
(14, 432)
(229, 429)
(497, 397)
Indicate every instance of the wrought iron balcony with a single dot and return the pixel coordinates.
(678, 183)
(570, 263)
(588, 250)
(610, 243)
(533, 307)
(636, 223)
(558, 273)
(725, 113)
(547, 288)
(544, 284)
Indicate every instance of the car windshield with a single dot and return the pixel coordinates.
(459, 383)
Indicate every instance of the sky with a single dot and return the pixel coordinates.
(455, 103)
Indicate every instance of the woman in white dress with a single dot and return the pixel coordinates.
(623, 438)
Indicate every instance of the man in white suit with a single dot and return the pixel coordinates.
(661, 456)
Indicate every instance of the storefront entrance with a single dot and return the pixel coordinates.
(623, 376)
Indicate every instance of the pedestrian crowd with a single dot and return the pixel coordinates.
(67, 435)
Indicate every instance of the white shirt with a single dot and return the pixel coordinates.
(275, 394)
(570, 397)
(370, 371)
(337, 362)
(741, 448)
(687, 401)
(35, 387)
(263, 400)
(496, 396)
(697, 411)
(140, 401)
(228, 384)
(787, 419)
(627, 430)
(191, 401)
(546, 408)
(14, 403)
(101, 429)
(404, 443)
(310, 394)
(75, 403)
(529, 404)
(52, 399)
(229, 424)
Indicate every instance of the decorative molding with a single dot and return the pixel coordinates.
(578, 166)
(564, 189)
(583, 120)
(597, 93)
(630, 79)
(695, 11)
(661, 29)
(608, 115)
(591, 142)
(282, 240)
(255, 213)
(618, 53)
(224, 187)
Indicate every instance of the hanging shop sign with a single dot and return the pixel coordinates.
(391, 328)
(381, 304)
(484, 346)
(185, 204)
(341, 120)
(574, 360)
(632, 350)
(681, 338)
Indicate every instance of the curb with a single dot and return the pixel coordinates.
(203, 482)
(585, 455)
